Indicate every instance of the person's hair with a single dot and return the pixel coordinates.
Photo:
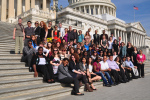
(40, 48)
(41, 43)
(29, 21)
(114, 41)
(96, 60)
(54, 53)
(44, 25)
(65, 59)
(73, 49)
(47, 45)
(35, 41)
(136, 48)
(55, 26)
(83, 58)
(29, 41)
(76, 56)
(19, 18)
(88, 61)
(37, 22)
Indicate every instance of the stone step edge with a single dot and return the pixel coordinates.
(49, 93)
(13, 68)
(16, 89)
(19, 63)
(20, 80)
(16, 74)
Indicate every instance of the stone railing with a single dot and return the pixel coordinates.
(33, 11)
(116, 22)
(82, 14)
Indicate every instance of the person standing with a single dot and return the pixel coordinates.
(104, 34)
(96, 37)
(123, 51)
(80, 37)
(91, 34)
(62, 31)
(119, 41)
(44, 30)
(28, 32)
(37, 31)
(19, 36)
(70, 34)
(50, 32)
(141, 58)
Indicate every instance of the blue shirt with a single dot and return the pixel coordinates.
(129, 64)
(80, 38)
(34, 44)
(87, 47)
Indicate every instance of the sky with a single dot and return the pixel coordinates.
(125, 11)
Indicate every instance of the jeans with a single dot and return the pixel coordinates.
(104, 79)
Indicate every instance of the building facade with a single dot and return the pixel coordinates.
(80, 14)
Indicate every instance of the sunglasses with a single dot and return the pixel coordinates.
(36, 23)
(63, 50)
(55, 50)
(29, 43)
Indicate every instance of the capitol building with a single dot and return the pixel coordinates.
(80, 14)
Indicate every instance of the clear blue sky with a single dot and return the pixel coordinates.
(125, 11)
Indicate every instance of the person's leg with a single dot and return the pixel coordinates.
(114, 74)
(142, 70)
(139, 69)
(109, 78)
(50, 71)
(103, 77)
(127, 74)
(16, 44)
(21, 44)
(29, 58)
(122, 74)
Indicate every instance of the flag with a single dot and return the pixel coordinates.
(136, 8)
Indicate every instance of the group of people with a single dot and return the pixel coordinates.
(72, 57)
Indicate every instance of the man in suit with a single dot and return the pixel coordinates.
(37, 31)
(96, 37)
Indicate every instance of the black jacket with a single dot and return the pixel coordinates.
(37, 31)
(96, 39)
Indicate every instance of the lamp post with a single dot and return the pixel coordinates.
(56, 8)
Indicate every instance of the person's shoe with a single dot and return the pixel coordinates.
(138, 77)
(87, 88)
(77, 94)
(142, 76)
(107, 85)
(123, 81)
(114, 84)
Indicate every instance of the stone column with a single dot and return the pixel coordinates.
(27, 5)
(94, 10)
(140, 40)
(90, 9)
(131, 39)
(104, 10)
(44, 5)
(99, 10)
(19, 7)
(126, 37)
(84, 10)
(143, 40)
(11, 9)
(115, 33)
(121, 35)
(32, 3)
(3, 10)
(118, 34)
(80, 8)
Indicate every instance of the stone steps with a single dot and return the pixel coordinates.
(14, 60)
(28, 89)
(8, 70)
(20, 82)
(10, 55)
(10, 76)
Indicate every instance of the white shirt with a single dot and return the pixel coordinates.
(62, 31)
(104, 65)
(114, 57)
(42, 61)
(113, 38)
(110, 44)
(90, 68)
(91, 34)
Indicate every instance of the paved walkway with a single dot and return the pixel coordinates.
(137, 89)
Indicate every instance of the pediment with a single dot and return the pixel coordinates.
(139, 26)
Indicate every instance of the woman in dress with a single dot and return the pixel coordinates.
(104, 43)
(130, 49)
(66, 35)
(87, 37)
(110, 43)
(133, 56)
(115, 47)
(44, 30)
(55, 60)
(50, 32)
(56, 34)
